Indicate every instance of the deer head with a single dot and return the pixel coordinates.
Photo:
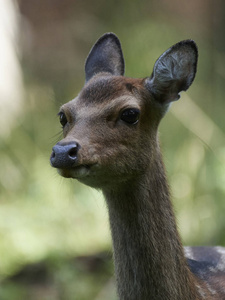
(110, 128)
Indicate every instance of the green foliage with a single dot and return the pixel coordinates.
(44, 218)
(61, 279)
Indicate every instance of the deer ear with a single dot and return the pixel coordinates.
(173, 72)
(105, 56)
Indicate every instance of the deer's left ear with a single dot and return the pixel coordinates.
(105, 56)
(173, 72)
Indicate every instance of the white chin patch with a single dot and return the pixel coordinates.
(77, 172)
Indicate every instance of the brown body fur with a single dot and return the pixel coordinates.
(101, 149)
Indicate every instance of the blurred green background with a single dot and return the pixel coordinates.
(54, 234)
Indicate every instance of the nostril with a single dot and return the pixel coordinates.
(53, 154)
(73, 152)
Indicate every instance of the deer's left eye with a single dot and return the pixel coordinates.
(130, 115)
(62, 119)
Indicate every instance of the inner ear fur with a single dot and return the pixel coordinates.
(174, 71)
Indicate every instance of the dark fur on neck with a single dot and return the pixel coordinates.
(149, 259)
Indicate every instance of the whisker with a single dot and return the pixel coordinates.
(56, 138)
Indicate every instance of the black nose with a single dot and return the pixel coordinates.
(64, 156)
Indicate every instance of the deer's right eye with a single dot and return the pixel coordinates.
(62, 119)
(130, 115)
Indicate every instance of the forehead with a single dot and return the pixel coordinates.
(103, 94)
(104, 89)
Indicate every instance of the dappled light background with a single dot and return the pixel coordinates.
(54, 234)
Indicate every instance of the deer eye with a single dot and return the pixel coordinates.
(130, 115)
(62, 118)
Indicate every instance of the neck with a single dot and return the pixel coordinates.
(149, 259)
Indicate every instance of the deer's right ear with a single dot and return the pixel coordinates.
(105, 56)
(173, 72)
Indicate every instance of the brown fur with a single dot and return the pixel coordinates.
(124, 160)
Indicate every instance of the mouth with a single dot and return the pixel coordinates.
(76, 172)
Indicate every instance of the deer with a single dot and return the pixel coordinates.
(110, 142)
